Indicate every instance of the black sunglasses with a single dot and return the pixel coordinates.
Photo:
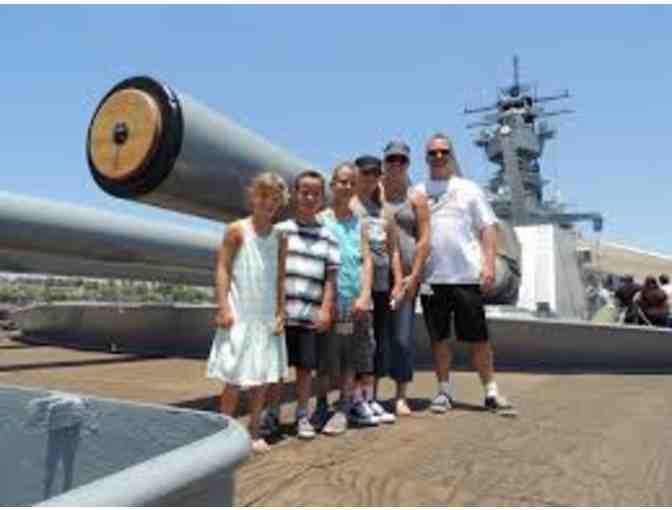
(397, 159)
(436, 152)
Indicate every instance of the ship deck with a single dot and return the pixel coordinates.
(582, 438)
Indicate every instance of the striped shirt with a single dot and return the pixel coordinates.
(312, 252)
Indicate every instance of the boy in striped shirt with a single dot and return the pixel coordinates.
(313, 259)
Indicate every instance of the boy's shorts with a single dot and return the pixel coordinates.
(302, 345)
(348, 347)
(463, 301)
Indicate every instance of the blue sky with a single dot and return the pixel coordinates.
(330, 82)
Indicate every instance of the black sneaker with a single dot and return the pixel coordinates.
(270, 424)
(320, 416)
(500, 405)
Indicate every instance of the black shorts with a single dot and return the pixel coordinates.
(465, 302)
(302, 346)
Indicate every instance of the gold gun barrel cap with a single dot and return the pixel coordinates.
(125, 133)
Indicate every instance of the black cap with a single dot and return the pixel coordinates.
(369, 163)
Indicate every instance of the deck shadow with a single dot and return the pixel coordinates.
(19, 367)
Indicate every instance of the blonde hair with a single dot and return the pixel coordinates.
(337, 170)
(270, 182)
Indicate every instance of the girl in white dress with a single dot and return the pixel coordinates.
(249, 350)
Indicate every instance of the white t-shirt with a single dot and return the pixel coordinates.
(459, 210)
(668, 290)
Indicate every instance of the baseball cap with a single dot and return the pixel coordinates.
(397, 148)
(369, 163)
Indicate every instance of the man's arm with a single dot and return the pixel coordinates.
(489, 249)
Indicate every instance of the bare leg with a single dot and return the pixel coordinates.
(347, 384)
(228, 400)
(323, 384)
(482, 359)
(367, 382)
(402, 388)
(304, 382)
(443, 358)
(274, 394)
(257, 395)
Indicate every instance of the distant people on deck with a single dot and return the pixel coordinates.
(665, 284)
(653, 304)
(624, 296)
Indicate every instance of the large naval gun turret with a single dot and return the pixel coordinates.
(150, 143)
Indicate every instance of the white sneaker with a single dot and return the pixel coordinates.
(304, 429)
(380, 412)
(361, 414)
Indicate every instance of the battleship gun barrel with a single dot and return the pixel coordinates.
(38, 235)
(150, 143)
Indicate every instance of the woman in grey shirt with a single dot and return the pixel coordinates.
(410, 215)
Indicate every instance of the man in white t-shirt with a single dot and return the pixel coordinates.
(460, 269)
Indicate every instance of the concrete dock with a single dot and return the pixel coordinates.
(583, 438)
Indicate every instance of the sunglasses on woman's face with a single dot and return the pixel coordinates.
(434, 153)
(400, 160)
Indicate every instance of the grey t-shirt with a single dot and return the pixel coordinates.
(377, 224)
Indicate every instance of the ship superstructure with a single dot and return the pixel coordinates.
(513, 137)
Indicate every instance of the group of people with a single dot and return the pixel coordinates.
(647, 304)
(331, 291)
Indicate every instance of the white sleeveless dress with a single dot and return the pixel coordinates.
(248, 353)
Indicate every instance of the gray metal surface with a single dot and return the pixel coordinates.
(217, 159)
(44, 263)
(144, 328)
(522, 341)
(113, 453)
(520, 338)
(38, 235)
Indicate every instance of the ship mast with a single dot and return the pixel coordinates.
(513, 138)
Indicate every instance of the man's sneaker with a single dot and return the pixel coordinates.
(380, 412)
(304, 429)
(498, 404)
(441, 403)
(336, 425)
(320, 416)
(361, 414)
(270, 424)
